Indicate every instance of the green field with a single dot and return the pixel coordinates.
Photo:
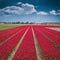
(7, 26)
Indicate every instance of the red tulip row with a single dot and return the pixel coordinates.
(55, 39)
(6, 48)
(26, 50)
(10, 33)
(54, 26)
(50, 26)
(51, 31)
(3, 32)
(48, 49)
(54, 32)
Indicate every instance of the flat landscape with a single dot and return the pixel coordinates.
(29, 42)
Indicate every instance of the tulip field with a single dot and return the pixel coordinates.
(30, 42)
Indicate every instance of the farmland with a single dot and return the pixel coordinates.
(29, 42)
(7, 26)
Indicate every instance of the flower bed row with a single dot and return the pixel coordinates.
(3, 32)
(57, 40)
(48, 49)
(53, 31)
(26, 50)
(54, 26)
(50, 30)
(7, 47)
(10, 33)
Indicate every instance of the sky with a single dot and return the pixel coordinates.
(38, 11)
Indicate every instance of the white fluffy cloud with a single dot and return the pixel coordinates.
(23, 9)
(12, 10)
(28, 8)
(54, 12)
(19, 3)
(42, 13)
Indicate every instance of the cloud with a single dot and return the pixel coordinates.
(42, 13)
(19, 3)
(23, 9)
(28, 8)
(12, 10)
(54, 12)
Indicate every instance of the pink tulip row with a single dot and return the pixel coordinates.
(53, 31)
(6, 48)
(54, 26)
(26, 50)
(3, 32)
(50, 26)
(8, 34)
(48, 49)
(55, 39)
(50, 30)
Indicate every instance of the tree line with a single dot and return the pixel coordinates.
(17, 22)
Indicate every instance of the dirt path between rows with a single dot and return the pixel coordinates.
(37, 47)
